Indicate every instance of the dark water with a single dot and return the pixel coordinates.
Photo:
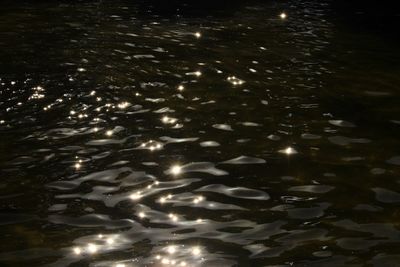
(129, 140)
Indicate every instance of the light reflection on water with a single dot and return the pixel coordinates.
(135, 139)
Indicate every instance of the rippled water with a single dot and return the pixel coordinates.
(134, 135)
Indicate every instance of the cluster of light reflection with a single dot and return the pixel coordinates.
(123, 105)
(234, 80)
(170, 259)
(151, 145)
(92, 248)
(162, 200)
(136, 196)
(173, 217)
(198, 199)
(37, 93)
(175, 170)
(168, 120)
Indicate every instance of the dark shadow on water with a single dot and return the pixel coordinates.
(380, 17)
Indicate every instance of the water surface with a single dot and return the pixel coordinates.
(141, 134)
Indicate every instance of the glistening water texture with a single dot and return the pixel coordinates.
(250, 134)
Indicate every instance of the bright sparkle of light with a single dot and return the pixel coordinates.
(165, 261)
(158, 257)
(142, 215)
(283, 15)
(173, 217)
(171, 249)
(196, 251)
(234, 80)
(92, 248)
(136, 196)
(123, 105)
(198, 199)
(77, 250)
(288, 151)
(181, 87)
(183, 263)
(110, 241)
(77, 165)
(120, 265)
(165, 119)
(176, 169)
(168, 120)
(198, 73)
(109, 133)
(100, 236)
(151, 145)
(197, 34)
